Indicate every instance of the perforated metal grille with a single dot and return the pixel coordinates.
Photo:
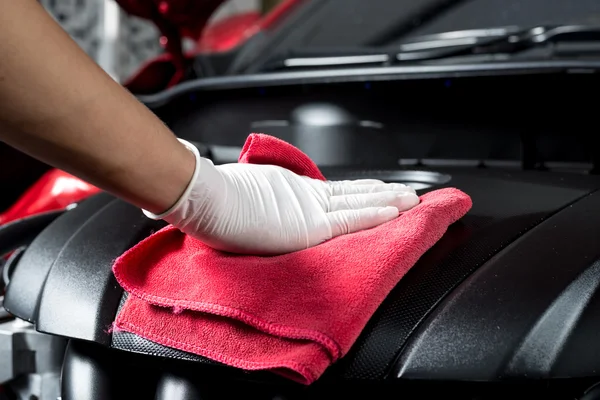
(134, 343)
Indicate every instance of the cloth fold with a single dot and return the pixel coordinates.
(294, 314)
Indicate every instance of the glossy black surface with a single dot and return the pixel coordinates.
(80, 297)
(81, 278)
(508, 294)
(499, 70)
(28, 279)
(505, 206)
(173, 386)
(10, 265)
(22, 231)
(332, 136)
(530, 312)
(86, 373)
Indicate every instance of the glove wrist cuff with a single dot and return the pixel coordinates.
(187, 190)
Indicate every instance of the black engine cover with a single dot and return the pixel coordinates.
(510, 291)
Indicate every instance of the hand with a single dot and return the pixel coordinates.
(266, 209)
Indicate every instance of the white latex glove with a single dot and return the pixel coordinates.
(266, 209)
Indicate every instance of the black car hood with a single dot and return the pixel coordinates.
(509, 291)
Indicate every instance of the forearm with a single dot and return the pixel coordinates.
(57, 105)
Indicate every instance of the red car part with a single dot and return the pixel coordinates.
(55, 190)
(177, 19)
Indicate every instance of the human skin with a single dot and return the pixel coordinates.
(59, 106)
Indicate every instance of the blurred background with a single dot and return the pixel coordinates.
(119, 42)
(114, 35)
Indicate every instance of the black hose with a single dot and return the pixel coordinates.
(10, 264)
(21, 232)
(593, 393)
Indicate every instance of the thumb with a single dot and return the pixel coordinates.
(349, 221)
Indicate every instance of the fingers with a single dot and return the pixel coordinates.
(339, 188)
(349, 221)
(401, 200)
(364, 182)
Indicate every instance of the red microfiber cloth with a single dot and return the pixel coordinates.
(294, 314)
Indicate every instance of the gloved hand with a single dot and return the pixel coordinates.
(266, 209)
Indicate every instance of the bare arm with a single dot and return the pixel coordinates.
(58, 106)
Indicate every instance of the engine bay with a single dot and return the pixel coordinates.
(528, 120)
(505, 303)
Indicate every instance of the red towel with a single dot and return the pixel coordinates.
(294, 314)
